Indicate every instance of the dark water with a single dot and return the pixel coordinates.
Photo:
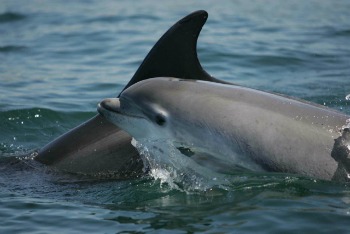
(58, 59)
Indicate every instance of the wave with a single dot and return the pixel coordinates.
(42, 114)
(116, 18)
(274, 60)
(342, 33)
(11, 48)
(25, 130)
(11, 17)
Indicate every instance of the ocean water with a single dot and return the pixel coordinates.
(58, 59)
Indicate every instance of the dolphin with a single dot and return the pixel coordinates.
(98, 147)
(239, 126)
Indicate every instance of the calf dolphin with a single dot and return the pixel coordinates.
(244, 127)
(98, 147)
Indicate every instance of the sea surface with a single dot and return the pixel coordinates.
(58, 59)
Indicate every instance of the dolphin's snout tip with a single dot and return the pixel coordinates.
(100, 109)
(109, 104)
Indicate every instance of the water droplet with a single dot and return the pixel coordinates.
(347, 97)
(36, 116)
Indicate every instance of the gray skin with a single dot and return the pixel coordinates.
(98, 147)
(256, 130)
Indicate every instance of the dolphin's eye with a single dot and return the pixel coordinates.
(160, 119)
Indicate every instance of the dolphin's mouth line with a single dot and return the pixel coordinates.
(129, 115)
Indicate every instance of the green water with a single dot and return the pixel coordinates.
(58, 59)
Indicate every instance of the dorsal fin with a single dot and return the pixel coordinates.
(175, 53)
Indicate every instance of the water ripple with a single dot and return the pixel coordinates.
(11, 48)
(117, 18)
(11, 17)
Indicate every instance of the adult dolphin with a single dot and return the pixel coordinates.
(255, 130)
(100, 148)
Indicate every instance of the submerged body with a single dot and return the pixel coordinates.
(240, 126)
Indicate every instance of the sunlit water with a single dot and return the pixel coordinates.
(58, 59)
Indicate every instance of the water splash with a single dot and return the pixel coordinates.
(164, 162)
(347, 97)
